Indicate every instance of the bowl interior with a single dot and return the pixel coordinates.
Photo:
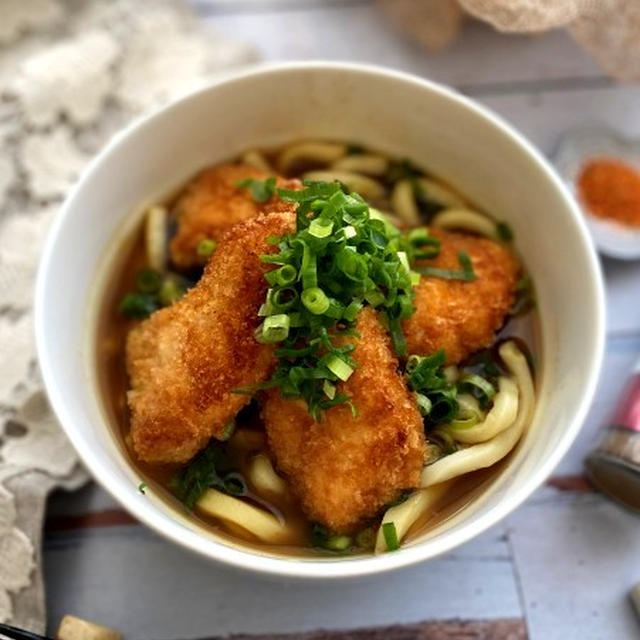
(393, 113)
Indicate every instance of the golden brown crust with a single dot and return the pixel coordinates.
(184, 361)
(347, 468)
(212, 203)
(462, 317)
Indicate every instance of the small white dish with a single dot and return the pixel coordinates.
(454, 137)
(577, 147)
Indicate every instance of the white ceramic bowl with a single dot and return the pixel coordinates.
(396, 113)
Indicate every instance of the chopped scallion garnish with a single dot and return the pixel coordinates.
(479, 387)
(504, 232)
(339, 368)
(390, 536)
(261, 190)
(315, 300)
(465, 273)
(341, 256)
(138, 305)
(206, 247)
(273, 329)
(148, 281)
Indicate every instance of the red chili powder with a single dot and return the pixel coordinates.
(610, 189)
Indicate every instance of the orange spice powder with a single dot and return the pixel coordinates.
(610, 189)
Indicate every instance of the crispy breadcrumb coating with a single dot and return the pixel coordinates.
(184, 360)
(212, 203)
(347, 468)
(462, 317)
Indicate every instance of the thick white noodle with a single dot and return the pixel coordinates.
(403, 203)
(155, 237)
(322, 153)
(437, 192)
(255, 159)
(502, 415)
(411, 510)
(367, 187)
(466, 220)
(485, 454)
(264, 477)
(260, 523)
(370, 163)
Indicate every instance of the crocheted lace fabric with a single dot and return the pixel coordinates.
(71, 75)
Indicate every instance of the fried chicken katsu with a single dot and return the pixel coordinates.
(185, 360)
(462, 317)
(212, 203)
(345, 468)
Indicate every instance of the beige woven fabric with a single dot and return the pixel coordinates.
(433, 23)
(608, 29)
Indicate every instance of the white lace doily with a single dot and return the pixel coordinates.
(71, 75)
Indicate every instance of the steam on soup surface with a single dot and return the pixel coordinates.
(320, 349)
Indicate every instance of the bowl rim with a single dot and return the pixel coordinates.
(297, 567)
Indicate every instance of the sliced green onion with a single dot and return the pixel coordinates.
(349, 232)
(466, 273)
(295, 320)
(285, 275)
(524, 298)
(308, 271)
(404, 261)
(229, 428)
(424, 404)
(315, 300)
(171, 291)
(274, 329)
(148, 281)
(390, 536)
(375, 298)
(329, 389)
(283, 299)
(504, 232)
(352, 310)
(478, 384)
(339, 368)
(234, 484)
(338, 543)
(138, 305)
(320, 228)
(261, 190)
(341, 256)
(206, 247)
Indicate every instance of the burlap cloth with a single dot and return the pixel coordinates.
(608, 29)
(71, 74)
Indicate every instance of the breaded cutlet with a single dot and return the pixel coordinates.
(212, 203)
(457, 316)
(345, 468)
(185, 360)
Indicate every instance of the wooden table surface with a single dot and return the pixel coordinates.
(559, 567)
